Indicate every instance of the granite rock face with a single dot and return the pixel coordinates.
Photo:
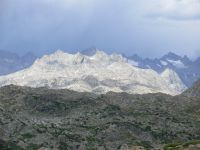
(99, 74)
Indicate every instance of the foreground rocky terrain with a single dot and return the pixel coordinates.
(41, 119)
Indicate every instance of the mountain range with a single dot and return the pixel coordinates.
(186, 69)
(98, 73)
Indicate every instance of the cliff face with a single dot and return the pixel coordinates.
(39, 118)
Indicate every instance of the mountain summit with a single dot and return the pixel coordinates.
(98, 73)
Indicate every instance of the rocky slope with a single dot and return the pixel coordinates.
(194, 91)
(98, 73)
(41, 118)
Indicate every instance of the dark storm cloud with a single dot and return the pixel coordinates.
(114, 25)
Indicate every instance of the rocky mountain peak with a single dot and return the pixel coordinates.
(171, 56)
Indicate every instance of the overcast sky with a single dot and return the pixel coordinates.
(146, 27)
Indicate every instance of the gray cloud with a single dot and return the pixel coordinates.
(46, 25)
(175, 9)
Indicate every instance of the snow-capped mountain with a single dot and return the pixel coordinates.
(188, 70)
(11, 62)
(98, 73)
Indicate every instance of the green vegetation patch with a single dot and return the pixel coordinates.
(4, 145)
(191, 143)
(27, 135)
(33, 147)
(172, 146)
